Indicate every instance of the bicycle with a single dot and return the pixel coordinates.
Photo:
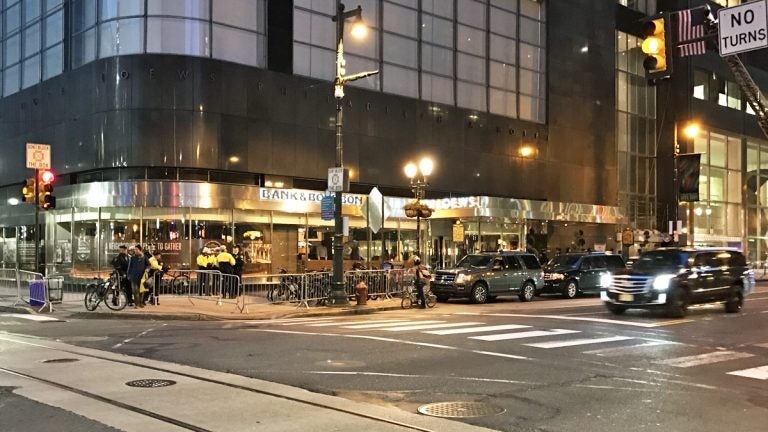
(108, 291)
(171, 283)
(287, 290)
(409, 297)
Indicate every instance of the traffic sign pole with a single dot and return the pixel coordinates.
(37, 220)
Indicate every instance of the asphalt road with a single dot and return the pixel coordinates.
(550, 365)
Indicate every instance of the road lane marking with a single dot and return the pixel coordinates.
(135, 337)
(523, 335)
(383, 339)
(478, 329)
(39, 318)
(373, 326)
(441, 377)
(703, 359)
(566, 318)
(430, 326)
(575, 342)
(762, 345)
(760, 373)
(339, 323)
(618, 351)
(291, 320)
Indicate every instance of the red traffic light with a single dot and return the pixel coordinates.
(47, 176)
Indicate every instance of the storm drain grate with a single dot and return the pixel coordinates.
(61, 360)
(460, 409)
(150, 383)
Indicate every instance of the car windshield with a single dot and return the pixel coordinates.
(564, 260)
(469, 261)
(660, 260)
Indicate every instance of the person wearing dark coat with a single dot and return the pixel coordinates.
(137, 266)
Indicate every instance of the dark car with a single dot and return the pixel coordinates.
(673, 278)
(574, 274)
(481, 277)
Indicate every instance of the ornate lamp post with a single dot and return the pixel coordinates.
(338, 295)
(419, 176)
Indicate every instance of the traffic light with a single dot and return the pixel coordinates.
(28, 190)
(45, 197)
(657, 47)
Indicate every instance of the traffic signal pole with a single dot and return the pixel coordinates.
(37, 220)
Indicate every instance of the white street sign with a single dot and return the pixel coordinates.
(743, 28)
(38, 156)
(336, 179)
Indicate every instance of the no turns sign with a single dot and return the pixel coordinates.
(743, 28)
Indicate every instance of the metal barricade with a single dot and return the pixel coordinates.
(375, 280)
(9, 286)
(293, 288)
(32, 290)
(397, 281)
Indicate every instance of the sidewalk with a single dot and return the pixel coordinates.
(204, 309)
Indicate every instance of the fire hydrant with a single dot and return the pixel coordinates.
(361, 292)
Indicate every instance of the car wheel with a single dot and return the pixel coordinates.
(616, 309)
(735, 302)
(571, 289)
(442, 298)
(527, 292)
(479, 293)
(677, 303)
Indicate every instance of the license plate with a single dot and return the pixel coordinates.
(626, 297)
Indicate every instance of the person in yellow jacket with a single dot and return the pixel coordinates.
(226, 264)
(202, 277)
(154, 273)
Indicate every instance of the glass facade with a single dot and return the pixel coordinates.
(756, 196)
(635, 134)
(483, 55)
(709, 86)
(31, 42)
(33, 45)
(646, 6)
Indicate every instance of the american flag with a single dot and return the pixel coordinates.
(690, 25)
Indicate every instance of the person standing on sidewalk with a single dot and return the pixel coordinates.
(120, 264)
(202, 266)
(137, 266)
(226, 266)
(421, 277)
(154, 274)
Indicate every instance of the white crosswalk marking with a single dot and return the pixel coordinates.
(30, 317)
(762, 345)
(522, 335)
(575, 342)
(370, 326)
(703, 359)
(760, 373)
(430, 326)
(291, 320)
(340, 323)
(478, 329)
(619, 351)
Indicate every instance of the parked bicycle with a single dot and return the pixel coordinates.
(174, 282)
(106, 290)
(287, 290)
(409, 297)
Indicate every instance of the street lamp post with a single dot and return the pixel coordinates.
(690, 131)
(419, 181)
(338, 295)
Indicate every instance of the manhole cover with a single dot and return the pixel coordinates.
(150, 383)
(460, 409)
(61, 360)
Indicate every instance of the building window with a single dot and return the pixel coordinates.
(635, 135)
(711, 87)
(646, 6)
(481, 55)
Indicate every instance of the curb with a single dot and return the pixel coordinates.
(197, 316)
(18, 309)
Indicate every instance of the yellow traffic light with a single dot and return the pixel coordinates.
(28, 190)
(655, 47)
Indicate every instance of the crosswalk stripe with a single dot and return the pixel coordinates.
(430, 326)
(618, 351)
(338, 323)
(30, 317)
(370, 326)
(478, 329)
(575, 342)
(760, 373)
(522, 335)
(703, 359)
(762, 345)
(291, 320)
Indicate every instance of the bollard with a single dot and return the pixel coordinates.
(361, 292)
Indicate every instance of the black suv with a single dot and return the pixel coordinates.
(673, 278)
(574, 274)
(481, 277)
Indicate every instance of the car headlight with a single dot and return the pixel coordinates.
(661, 282)
(463, 278)
(558, 276)
(606, 280)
